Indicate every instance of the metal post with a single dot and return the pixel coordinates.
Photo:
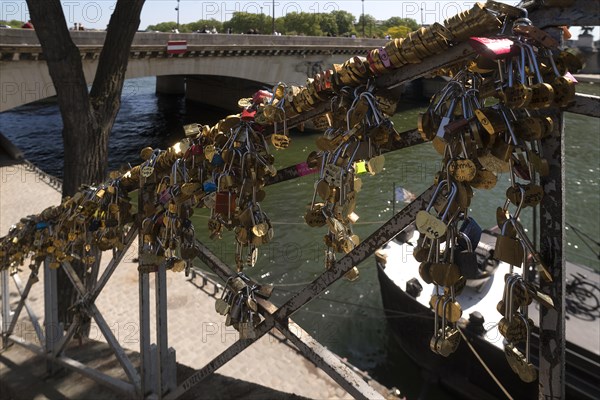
(177, 9)
(273, 27)
(6, 313)
(394, 198)
(51, 325)
(162, 339)
(147, 384)
(552, 237)
(14, 316)
(145, 358)
(363, 18)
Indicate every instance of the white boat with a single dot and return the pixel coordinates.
(404, 291)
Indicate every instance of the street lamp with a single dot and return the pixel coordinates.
(177, 9)
(273, 23)
(363, 18)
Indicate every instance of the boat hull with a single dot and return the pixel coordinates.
(461, 372)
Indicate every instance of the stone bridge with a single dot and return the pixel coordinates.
(215, 69)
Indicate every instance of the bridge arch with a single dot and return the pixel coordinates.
(257, 58)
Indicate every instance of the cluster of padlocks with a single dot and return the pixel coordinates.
(351, 145)
(95, 216)
(486, 121)
(238, 302)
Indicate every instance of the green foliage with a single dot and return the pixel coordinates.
(163, 27)
(371, 27)
(328, 24)
(397, 32)
(203, 23)
(335, 23)
(242, 22)
(13, 23)
(187, 28)
(397, 21)
(345, 21)
(302, 24)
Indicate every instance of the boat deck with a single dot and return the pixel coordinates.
(583, 326)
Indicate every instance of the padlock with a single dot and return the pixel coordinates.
(429, 225)
(508, 249)
(517, 94)
(520, 364)
(225, 203)
(466, 260)
(491, 120)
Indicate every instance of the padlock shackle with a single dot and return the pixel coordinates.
(436, 325)
(552, 62)
(467, 241)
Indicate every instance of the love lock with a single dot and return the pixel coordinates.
(508, 249)
(421, 250)
(530, 194)
(446, 339)
(466, 260)
(425, 272)
(463, 170)
(519, 364)
(375, 164)
(445, 274)
(280, 141)
(484, 179)
(315, 217)
(429, 225)
(514, 330)
(452, 309)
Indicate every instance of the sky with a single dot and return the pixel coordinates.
(96, 13)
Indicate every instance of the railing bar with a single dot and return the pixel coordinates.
(112, 265)
(24, 294)
(34, 319)
(77, 366)
(108, 334)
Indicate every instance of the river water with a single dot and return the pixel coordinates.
(348, 318)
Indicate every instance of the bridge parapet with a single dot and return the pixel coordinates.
(23, 44)
(263, 59)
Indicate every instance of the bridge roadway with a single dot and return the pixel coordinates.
(226, 66)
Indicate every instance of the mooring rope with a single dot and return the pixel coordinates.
(489, 371)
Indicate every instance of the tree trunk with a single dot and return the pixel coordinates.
(87, 117)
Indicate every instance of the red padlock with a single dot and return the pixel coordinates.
(492, 48)
(262, 96)
(225, 203)
(248, 115)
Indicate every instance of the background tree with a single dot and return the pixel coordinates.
(187, 28)
(328, 24)
(242, 22)
(302, 24)
(398, 21)
(13, 23)
(371, 27)
(87, 117)
(397, 32)
(164, 27)
(345, 22)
